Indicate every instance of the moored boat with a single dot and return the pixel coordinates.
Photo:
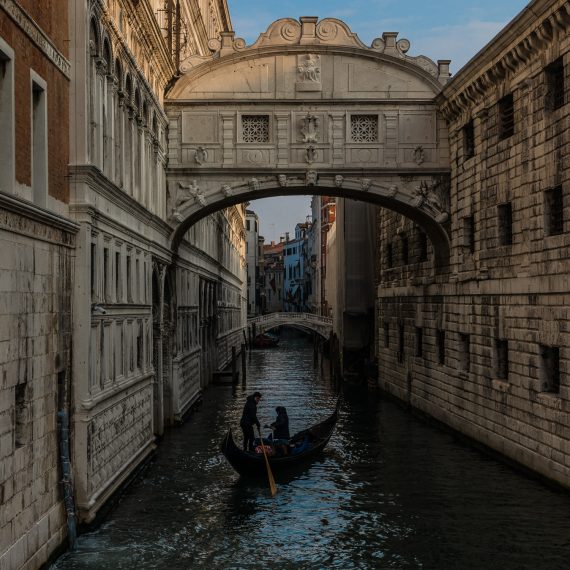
(303, 446)
(265, 340)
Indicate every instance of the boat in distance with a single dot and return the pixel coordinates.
(302, 447)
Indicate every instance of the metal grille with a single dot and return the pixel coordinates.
(502, 352)
(555, 84)
(505, 214)
(506, 117)
(468, 140)
(469, 233)
(364, 128)
(440, 341)
(419, 342)
(255, 128)
(550, 364)
(554, 211)
(465, 355)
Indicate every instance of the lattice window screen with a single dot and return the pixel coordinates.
(255, 128)
(364, 128)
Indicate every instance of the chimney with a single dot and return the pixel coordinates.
(286, 236)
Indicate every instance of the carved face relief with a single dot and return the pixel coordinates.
(201, 155)
(310, 69)
(338, 181)
(365, 183)
(282, 180)
(311, 177)
(227, 190)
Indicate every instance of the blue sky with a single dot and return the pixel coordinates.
(440, 29)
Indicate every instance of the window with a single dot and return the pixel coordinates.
(386, 334)
(422, 246)
(550, 369)
(364, 128)
(7, 132)
(440, 345)
(553, 211)
(118, 291)
(465, 352)
(419, 342)
(129, 281)
(247, 225)
(39, 141)
(389, 255)
(506, 117)
(468, 140)
(255, 128)
(405, 249)
(505, 221)
(469, 233)
(401, 341)
(502, 359)
(555, 93)
(94, 270)
(106, 295)
(23, 426)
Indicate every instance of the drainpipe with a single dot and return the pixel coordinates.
(65, 463)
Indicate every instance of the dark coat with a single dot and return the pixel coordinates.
(249, 416)
(281, 425)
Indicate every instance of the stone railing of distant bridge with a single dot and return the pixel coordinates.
(306, 321)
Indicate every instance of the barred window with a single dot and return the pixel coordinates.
(469, 233)
(389, 255)
(255, 128)
(553, 211)
(550, 369)
(440, 344)
(364, 128)
(506, 117)
(401, 343)
(422, 246)
(502, 358)
(465, 352)
(468, 140)
(555, 84)
(419, 342)
(505, 219)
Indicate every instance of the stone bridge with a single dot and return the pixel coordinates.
(310, 109)
(304, 321)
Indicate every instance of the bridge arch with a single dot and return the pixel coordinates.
(308, 322)
(310, 109)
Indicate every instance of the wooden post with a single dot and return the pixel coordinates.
(243, 364)
(234, 365)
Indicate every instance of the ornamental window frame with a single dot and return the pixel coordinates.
(7, 119)
(251, 114)
(350, 123)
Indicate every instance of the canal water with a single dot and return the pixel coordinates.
(390, 491)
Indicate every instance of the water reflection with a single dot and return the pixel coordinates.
(389, 492)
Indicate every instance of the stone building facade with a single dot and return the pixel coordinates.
(37, 257)
(483, 346)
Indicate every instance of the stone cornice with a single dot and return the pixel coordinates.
(95, 179)
(519, 42)
(37, 35)
(36, 214)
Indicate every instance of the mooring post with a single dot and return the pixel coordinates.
(243, 363)
(234, 365)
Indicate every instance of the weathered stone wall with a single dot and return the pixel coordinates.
(36, 271)
(493, 362)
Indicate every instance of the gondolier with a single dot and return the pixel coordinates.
(249, 419)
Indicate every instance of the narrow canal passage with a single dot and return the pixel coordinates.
(389, 492)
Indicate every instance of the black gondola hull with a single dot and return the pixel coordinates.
(250, 464)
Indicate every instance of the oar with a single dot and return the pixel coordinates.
(272, 485)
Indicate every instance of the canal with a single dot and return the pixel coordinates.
(390, 491)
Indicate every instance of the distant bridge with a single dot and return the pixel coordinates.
(304, 321)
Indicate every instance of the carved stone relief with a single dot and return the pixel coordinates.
(309, 73)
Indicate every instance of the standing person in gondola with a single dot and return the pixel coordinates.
(249, 419)
(280, 426)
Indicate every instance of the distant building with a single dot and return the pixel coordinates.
(273, 277)
(294, 293)
(253, 260)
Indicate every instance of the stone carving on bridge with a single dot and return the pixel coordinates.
(419, 155)
(254, 184)
(310, 154)
(227, 190)
(365, 184)
(311, 177)
(184, 195)
(282, 180)
(392, 191)
(434, 198)
(201, 155)
(308, 73)
(310, 129)
(338, 180)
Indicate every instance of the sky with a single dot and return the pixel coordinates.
(439, 29)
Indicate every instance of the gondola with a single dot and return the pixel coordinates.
(265, 340)
(308, 443)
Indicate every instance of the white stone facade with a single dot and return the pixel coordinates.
(483, 347)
